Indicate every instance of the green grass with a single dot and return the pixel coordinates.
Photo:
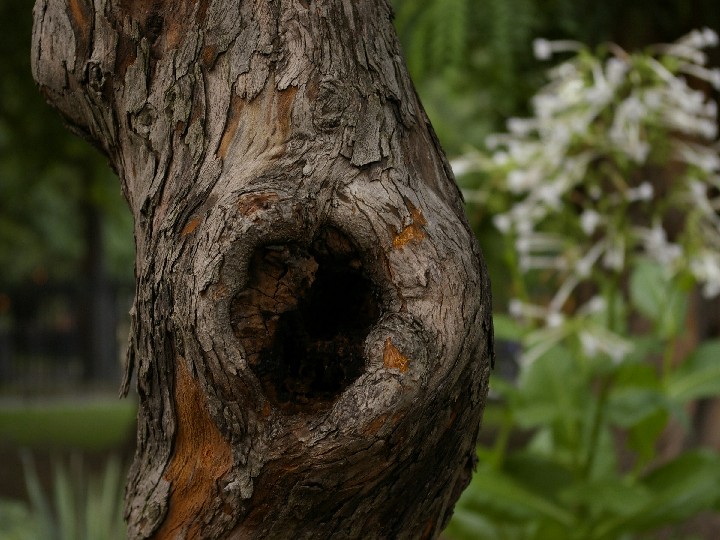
(89, 425)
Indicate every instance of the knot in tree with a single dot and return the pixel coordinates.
(311, 328)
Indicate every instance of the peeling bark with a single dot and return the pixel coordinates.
(311, 329)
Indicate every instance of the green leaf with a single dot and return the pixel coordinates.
(680, 489)
(608, 496)
(494, 490)
(65, 503)
(629, 406)
(658, 298)
(541, 474)
(552, 388)
(643, 436)
(697, 377)
(466, 524)
(40, 505)
(506, 327)
(16, 521)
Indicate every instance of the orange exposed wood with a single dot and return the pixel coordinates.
(231, 125)
(413, 232)
(80, 17)
(209, 54)
(200, 458)
(416, 214)
(190, 227)
(285, 99)
(373, 427)
(257, 202)
(80, 14)
(393, 358)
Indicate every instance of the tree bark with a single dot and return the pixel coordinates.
(311, 329)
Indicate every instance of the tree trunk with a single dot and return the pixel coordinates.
(311, 328)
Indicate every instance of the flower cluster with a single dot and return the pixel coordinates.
(619, 163)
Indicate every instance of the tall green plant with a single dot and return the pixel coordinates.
(609, 201)
(80, 506)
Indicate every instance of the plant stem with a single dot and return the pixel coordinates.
(502, 439)
(517, 281)
(597, 421)
(668, 356)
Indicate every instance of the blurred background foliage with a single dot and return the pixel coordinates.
(472, 60)
(66, 246)
(54, 188)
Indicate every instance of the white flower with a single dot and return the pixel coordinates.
(517, 308)
(614, 258)
(640, 151)
(555, 319)
(502, 222)
(523, 218)
(584, 266)
(542, 49)
(652, 98)
(601, 92)
(710, 109)
(615, 70)
(656, 245)
(522, 151)
(700, 39)
(589, 220)
(590, 344)
(556, 141)
(519, 180)
(698, 192)
(596, 304)
(493, 141)
(596, 340)
(706, 269)
(704, 158)
(539, 243)
(632, 108)
(689, 123)
(462, 165)
(528, 262)
(709, 37)
(625, 131)
(500, 159)
(710, 75)
(563, 294)
(550, 193)
(684, 52)
(644, 192)
(521, 127)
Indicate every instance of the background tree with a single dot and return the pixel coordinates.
(311, 328)
(61, 214)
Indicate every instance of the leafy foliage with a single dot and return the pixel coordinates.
(48, 177)
(607, 201)
(80, 506)
(467, 58)
(473, 63)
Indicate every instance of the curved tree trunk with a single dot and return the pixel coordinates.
(311, 330)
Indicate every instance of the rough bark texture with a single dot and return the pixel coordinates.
(311, 330)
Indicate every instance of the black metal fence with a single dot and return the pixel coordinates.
(57, 338)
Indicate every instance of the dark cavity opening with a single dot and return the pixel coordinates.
(303, 320)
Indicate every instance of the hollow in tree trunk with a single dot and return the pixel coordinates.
(311, 329)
